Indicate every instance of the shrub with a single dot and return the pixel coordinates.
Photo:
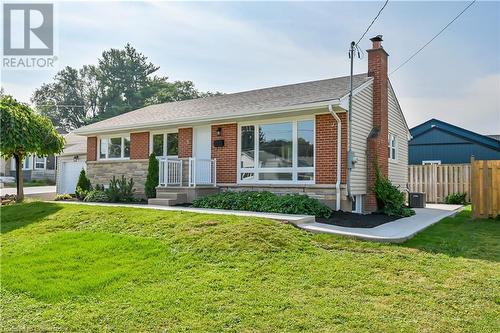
(96, 196)
(83, 182)
(456, 199)
(390, 200)
(264, 202)
(81, 193)
(152, 177)
(62, 197)
(120, 190)
(99, 187)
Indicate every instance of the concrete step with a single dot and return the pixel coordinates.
(162, 202)
(181, 197)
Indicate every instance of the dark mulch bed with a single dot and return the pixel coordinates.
(345, 219)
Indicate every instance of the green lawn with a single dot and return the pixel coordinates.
(82, 268)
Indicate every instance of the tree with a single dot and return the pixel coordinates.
(64, 101)
(152, 177)
(25, 132)
(123, 80)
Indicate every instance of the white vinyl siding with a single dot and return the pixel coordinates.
(398, 168)
(361, 126)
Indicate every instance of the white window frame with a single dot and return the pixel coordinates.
(165, 135)
(294, 170)
(358, 204)
(35, 163)
(29, 158)
(390, 147)
(122, 153)
(438, 162)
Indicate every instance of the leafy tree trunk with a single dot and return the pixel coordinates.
(19, 178)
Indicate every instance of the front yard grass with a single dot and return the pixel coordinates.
(89, 268)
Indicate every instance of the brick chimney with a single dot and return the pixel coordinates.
(377, 151)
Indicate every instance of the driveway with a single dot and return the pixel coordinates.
(39, 192)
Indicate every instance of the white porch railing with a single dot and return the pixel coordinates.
(187, 172)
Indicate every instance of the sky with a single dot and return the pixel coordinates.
(238, 46)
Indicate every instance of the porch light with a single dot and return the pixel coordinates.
(76, 158)
(219, 131)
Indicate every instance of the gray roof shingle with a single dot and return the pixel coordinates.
(237, 104)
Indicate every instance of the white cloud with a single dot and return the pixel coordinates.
(477, 109)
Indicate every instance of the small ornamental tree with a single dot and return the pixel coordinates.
(152, 178)
(23, 133)
(83, 181)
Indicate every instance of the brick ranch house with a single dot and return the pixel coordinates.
(286, 139)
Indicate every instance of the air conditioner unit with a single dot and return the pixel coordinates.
(417, 200)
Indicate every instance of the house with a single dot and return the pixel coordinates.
(286, 139)
(34, 168)
(71, 162)
(438, 142)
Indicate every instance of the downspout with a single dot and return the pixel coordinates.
(339, 156)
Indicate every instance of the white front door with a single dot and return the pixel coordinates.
(202, 153)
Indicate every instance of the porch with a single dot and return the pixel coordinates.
(181, 180)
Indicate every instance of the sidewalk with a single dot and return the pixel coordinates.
(393, 232)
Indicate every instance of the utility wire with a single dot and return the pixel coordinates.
(373, 21)
(435, 36)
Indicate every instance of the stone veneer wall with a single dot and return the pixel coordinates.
(100, 172)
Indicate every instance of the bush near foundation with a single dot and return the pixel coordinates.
(390, 200)
(264, 202)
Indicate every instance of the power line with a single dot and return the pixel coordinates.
(435, 36)
(373, 21)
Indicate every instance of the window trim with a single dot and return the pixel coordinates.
(396, 146)
(30, 164)
(295, 170)
(35, 162)
(113, 136)
(165, 135)
(430, 162)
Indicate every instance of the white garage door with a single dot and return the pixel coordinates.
(69, 175)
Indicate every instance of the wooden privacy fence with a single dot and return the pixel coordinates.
(438, 181)
(485, 188)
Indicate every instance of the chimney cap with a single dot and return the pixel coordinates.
(377, 38)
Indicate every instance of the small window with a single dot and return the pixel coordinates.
(392, 147)
(158, 144)
(114, 148)
(172, 144)
(357, 204)
(438, 162)
(39, 163)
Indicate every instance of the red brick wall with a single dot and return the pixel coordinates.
(326, 148)
(226, 156)
(139, 145)
(377, 152)
(91, 148)
(185, 142)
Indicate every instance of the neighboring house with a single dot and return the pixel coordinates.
(437, 142)
(34, 168)
(70, 163)
(281, 139)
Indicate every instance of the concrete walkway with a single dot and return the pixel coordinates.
(393, 232)
(294, 219)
